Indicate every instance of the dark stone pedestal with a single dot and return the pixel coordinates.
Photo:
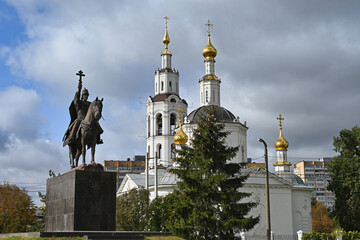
(81, 201)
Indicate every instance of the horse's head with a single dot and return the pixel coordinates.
(96, 107)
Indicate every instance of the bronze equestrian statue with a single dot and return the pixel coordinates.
(84, 128)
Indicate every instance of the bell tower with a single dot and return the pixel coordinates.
(161, 110)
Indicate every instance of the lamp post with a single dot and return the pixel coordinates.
(268, 225)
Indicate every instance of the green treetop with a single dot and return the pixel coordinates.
(345, 179)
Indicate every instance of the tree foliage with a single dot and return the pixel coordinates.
(207, 202)
(131, 210)
(345, 178)
(158, 215)
(321, 220)
(16, 209)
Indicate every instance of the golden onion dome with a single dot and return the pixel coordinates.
(209, 51)
(281, 143)
(166, 41)
(180, 137)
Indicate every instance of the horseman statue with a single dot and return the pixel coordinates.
(84, 128)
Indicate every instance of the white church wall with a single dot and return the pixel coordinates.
(237, 138)
(280, 209)
(301, 202)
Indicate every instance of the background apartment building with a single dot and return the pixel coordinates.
(123, 167)
(315, 174)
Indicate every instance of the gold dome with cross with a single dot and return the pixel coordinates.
(281, 143)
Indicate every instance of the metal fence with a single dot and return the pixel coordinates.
(286, 237)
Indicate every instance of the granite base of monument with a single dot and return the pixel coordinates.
(81, 201)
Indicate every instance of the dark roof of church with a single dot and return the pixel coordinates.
(163, 96)
(220, 113)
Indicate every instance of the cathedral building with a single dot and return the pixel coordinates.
(289, 196)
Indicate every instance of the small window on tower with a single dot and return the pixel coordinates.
(206, 96)
(170, 88)
(172, 124)
(159, 125)
(159, 151)
(162, 86)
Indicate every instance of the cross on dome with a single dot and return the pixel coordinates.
(209, 25)
(166, 20)
(180, 111)
(280, 119)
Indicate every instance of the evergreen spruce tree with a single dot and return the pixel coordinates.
(207, 203)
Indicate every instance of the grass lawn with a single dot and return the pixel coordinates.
(164, 238)
(80, 238)
(39, 238)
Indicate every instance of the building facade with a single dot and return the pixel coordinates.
(124, 167)
(316, 175)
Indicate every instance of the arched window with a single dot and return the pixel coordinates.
(173, 151)
(148, 126)
(170, 87)
(159, 124)
(162, 86)
(172, 123)
(206, 96)
(159, 151)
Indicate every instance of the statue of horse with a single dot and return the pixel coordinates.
(87, 134)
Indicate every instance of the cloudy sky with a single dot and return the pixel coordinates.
(297, 58)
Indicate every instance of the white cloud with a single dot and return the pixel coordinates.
(21, 113)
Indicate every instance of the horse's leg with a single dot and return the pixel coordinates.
(77, 156)
(83, 149)
(71, 157)
(93, 153)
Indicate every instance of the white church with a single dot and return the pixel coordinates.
(290, 202)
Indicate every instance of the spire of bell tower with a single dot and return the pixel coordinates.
(166, 55)
(210, 83)
(166, 39)
(166, 78)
